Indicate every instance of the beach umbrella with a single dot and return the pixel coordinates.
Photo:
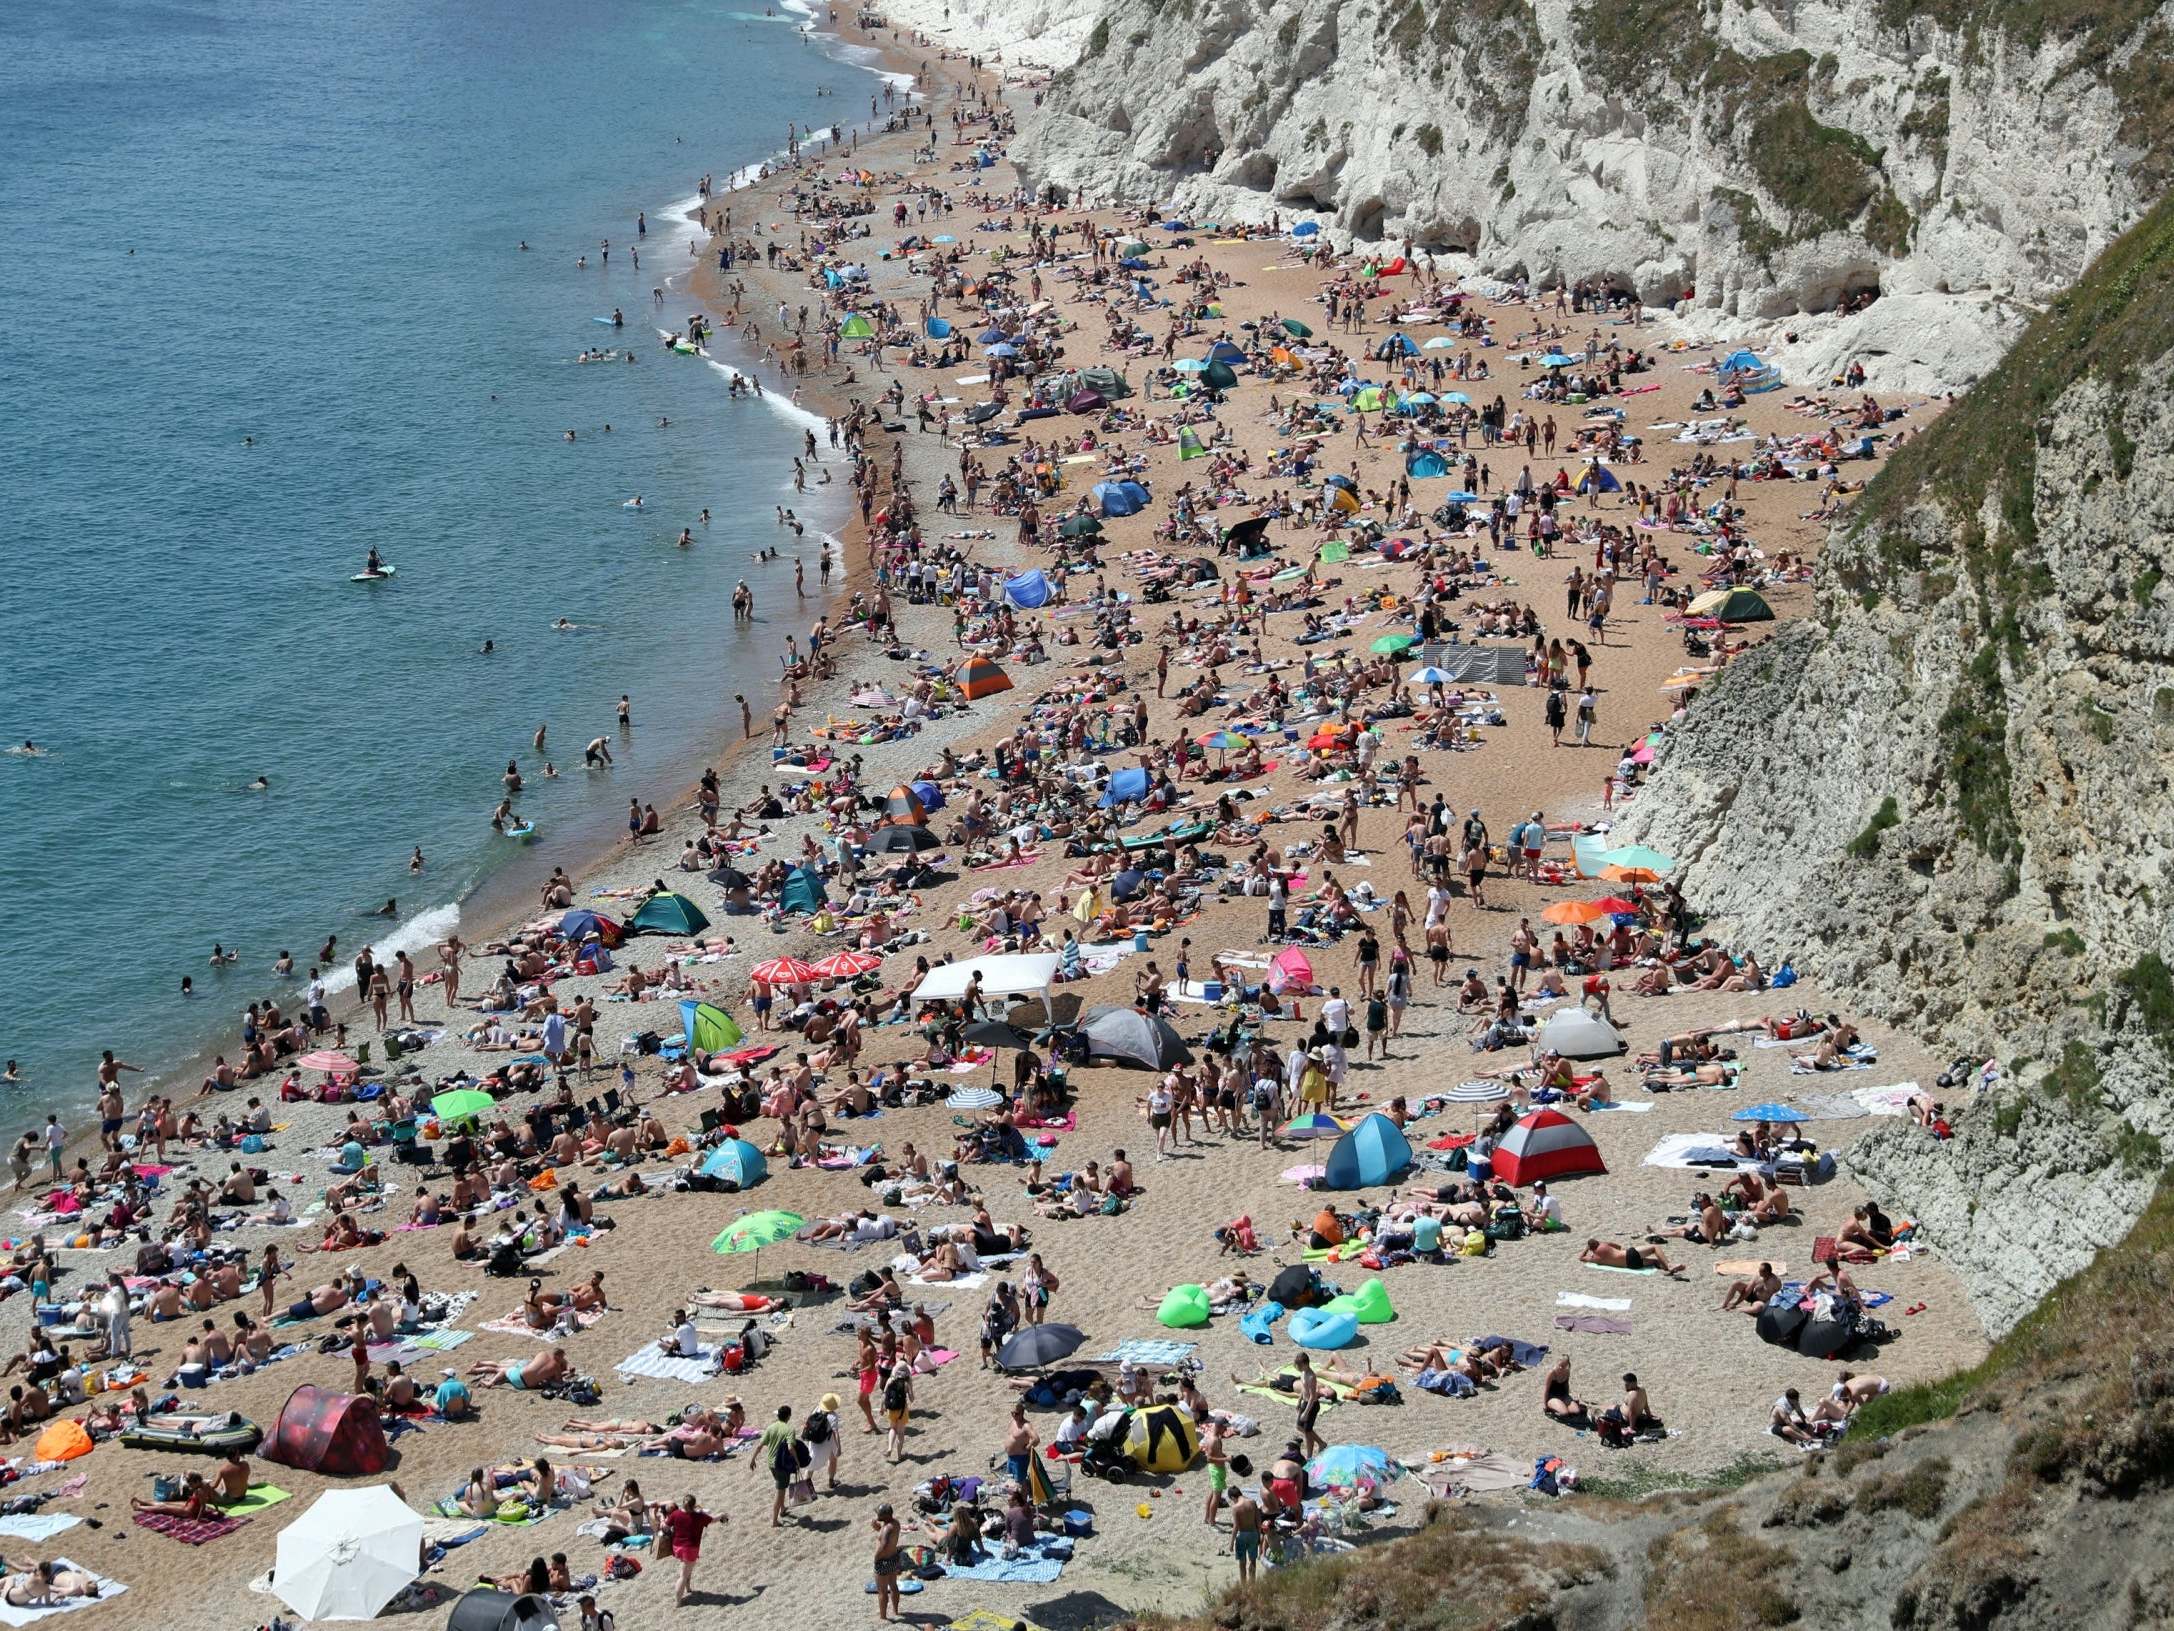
(996, 1033)
(1394, 643)
(1292, 325)
(1000, 349)
(1769, 1112)
(903, 840)
(975, 1098)
(1639, 855)
(788, 970)
(461, 1105)
(757, 1230)
(1575, 911)
(1441, 342)
(1079, 526)
(1420, 399)
(1191, 365)
(1040, 1345)
(1318, 1124)
(349, 1555)
(1346, 1466)
(1630, 874)
(1429, 675)
(847, 965)
(1478, 1092)
(1221, 741)
(1617, 906)
(1555, 359)
(325, 1059)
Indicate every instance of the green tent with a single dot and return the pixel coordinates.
(1189, 446)
(668, 914)
(1370, 399)
(1107, 382)
(856, 327)
(709, 1029)
(1221, 376)
(1733, 606)
(803, 891)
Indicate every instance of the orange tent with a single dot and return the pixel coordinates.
(904, 806)
(982, 678)
(63, 1441)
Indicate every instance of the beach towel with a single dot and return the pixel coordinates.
(1691, 1150)
(1036, 1565)
(37, 1526)
(1610, 1268)
(1596, 1325)
(521, 1517)
(1633, 1109)
(189, 1531)
(439, 1341)
(1451, 1384)
(1526, 1354)
(259, 1497)
(1259, 1321)
(1886, 1101)
(652, 1360)
(1486, 1472)
(513, 1325)
(1832, 1106)
(1146, 1351)
(982, 1619)
(1749, 1265)
(108, 1589)
(1824, 1247)
(1578, 1299)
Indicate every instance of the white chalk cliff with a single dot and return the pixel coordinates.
(1966, 158)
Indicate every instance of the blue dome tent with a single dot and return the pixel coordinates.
(1396, 345)
(937, 328)
(1120, 497)
(803, 891)
(1305, 229)
(1225, 351)
(1028, 590)
(1126, 787)
(737, 1160)
(1426, 463)
(930, 795)
(1374, 1152)
(1598, 478)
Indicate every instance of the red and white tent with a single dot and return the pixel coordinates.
(1546, 1144)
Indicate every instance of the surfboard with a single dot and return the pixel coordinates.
(374, 577)
(606, 321)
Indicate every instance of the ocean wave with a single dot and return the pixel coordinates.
(420, 932)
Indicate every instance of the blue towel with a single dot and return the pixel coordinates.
(1258, 1322)
(1450, 1383)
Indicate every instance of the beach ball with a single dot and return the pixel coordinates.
(1145, 1510)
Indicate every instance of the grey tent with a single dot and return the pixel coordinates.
(1126, 1036)
(1483, 665)
(486, 1610)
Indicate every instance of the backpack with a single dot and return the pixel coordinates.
(894, 1394)
(817, 1430)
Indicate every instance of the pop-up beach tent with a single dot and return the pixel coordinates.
(1119, 498)
(668, 913)
(487, 1610)
(1026, 975)
(1579, 1033)
(1598, 478)
(737, 1160)
(336, 1434)
(1028, 590)
(708, 1029)
(1425, 464)
(1125, 1036)
(1374, 1152)
(1127, 786)
(1732, 606)
(802, 892)
(1546, 1144)
(979, 677)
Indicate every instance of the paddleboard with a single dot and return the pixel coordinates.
(374, 577)
(606, 321)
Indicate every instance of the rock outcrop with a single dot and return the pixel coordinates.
(1966, 160)
(1948, 793)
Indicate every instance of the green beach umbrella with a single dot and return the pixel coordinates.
(757, 1230)
(461, 1104)
(1292, 325)
(855, 327)
(1394, 642)
(1639, 855)
(1079, 526)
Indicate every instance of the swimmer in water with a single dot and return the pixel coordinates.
(524, 246)
(247, 441)
(550, 769)
(686, 537)
(489, 646)
(391, 908)
(262, 784)
(564, 625)
(617, 320)
(12, 1074)
(29, 750)
(633, 503)
(219, 954)
(415, 861)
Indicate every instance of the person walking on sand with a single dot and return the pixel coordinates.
(897, 1405)
(775, 1451)
(1019, 1440)
(1245, 1528)
(1309, 1405)
(683, 1527)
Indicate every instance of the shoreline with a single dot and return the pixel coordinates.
(503, 896)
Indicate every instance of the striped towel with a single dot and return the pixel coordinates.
(1146, 1351)
(652, 1360)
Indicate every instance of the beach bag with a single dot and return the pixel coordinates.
(894, 1394)
(801, 1492)
(1783, 977)
(818, 1429)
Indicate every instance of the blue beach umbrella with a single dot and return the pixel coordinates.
(1000, 349)
(1555, 359)
(1191, 365)
(1769, 1112)
(1345, 1466)
(1456, 396)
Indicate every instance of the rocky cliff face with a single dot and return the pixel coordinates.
(1965, 158)
(1949, 793)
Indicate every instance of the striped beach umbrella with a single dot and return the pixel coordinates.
(846, 965)
(1477, 1092)
(782, 971)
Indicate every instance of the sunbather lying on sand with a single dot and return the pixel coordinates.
(1832, 1047)
(522, 1375)
(1609, 1255)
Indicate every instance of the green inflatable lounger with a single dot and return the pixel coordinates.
(200, 1433)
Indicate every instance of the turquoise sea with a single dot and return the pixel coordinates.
(266, 310)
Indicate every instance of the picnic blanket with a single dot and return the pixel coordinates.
(1146, 1351)
(108, 1589)
(1485, 1472)
(1578, 1299)
(37, 1526)
(189, 1531)
(259, 1497)
(1037, 1565)
(652, 1360)
(1593, 1325)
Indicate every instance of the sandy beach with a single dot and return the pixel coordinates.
(1711, 1380)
